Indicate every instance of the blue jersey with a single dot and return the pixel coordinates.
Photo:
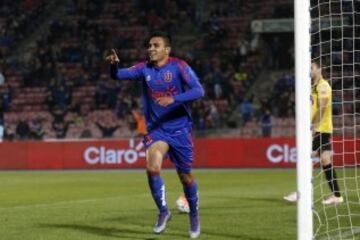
(176, 79)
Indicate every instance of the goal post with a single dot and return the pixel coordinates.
(303, 121)
(335, 42)
(328, 31)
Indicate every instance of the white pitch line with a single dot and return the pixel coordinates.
(45, 205)
(344, 235)
(64, 203)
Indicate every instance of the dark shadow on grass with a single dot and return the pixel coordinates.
(270, 200)
(123, 233)
(257, 199)
(212, 234)
(233, 236)
(243, 200)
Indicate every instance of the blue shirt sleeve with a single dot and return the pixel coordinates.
(195, 90)
(133, 73)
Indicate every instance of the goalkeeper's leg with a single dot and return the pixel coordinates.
(330, 174)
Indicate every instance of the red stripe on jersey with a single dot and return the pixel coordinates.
(182, 66)
(137, 66)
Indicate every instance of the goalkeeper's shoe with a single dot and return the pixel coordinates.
(333, 200)
(292, 197)
(163, 218)
(194, 227)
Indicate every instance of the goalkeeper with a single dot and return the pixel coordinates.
(322, 128)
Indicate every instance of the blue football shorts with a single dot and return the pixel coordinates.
(181, 147)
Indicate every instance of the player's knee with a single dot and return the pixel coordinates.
(154, 160)
(314, 154)
(153, 166)
(325, 158)
(186, 178)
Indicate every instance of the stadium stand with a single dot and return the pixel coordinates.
(63, 89)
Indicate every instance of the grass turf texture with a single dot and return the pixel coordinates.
(234, 204)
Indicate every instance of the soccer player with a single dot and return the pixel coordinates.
(169, 86)
(322, 127)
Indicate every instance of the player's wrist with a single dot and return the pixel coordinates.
(114, 64)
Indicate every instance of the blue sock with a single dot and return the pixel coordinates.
(157, 188)
(191, 193)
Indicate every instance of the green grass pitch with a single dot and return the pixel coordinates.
(234, 204)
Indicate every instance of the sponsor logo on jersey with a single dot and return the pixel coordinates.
(170, 91)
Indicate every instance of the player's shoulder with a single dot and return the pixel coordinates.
(323, 87)
(323, 84)
(178, 62)
(140, 65)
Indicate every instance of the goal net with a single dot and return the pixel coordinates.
(335, 43)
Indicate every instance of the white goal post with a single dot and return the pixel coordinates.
(303, 122)
(328, 31)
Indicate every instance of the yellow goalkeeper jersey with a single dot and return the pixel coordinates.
(322, 90)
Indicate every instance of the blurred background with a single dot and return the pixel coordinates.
(59, 109)
(55, 84)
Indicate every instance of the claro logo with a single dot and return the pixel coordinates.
(102, 155)
(284, 153)
(281, 153)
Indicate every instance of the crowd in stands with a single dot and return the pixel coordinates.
(63, 90)
(17, 20)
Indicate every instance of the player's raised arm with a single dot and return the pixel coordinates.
(195, 90)
(132, 73)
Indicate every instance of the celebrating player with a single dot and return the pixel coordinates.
(321, 119)
(169, 85)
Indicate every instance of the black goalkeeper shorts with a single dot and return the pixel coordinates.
(321, 142)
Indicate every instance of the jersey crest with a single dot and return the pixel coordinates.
(167, 76)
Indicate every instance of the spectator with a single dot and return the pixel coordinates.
(1, 130)
(6, 98)
(275, 52)
(60, 129)
(10, 132)
(58, 113)
(86, 132)
(266, 123)
(246, 110)
(2, 78)
(107, 129)
(212, 115)
(254, 44)
(61, 95)
(243, 49)
(140, 122)
(22, 129)
(36, 130)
